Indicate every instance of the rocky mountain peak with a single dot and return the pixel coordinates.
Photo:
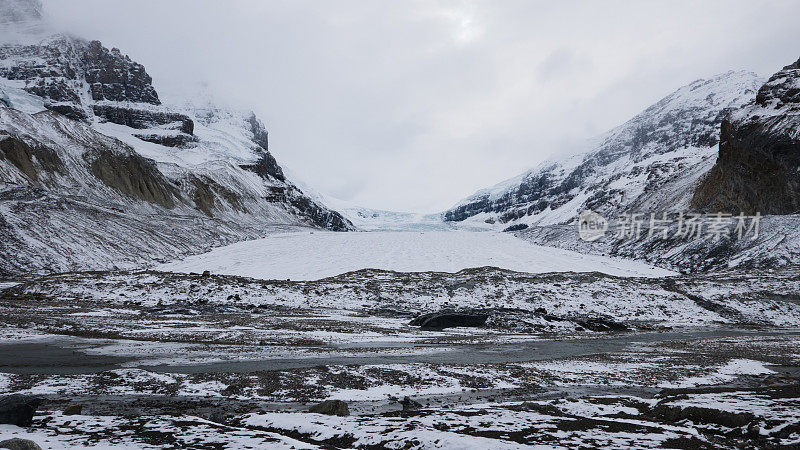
(758, 167)
(782, 89)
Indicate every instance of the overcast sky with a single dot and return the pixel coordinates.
(412, 106)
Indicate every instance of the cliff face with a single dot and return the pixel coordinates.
(758, 168)
(85, 81)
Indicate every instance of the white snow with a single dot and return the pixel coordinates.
(318, 254)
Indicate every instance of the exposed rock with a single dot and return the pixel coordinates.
(29, 160)
(113, 76)
(18, 409)
(449, 319)
(409, 404)
(132, 175)
(219, 417)
(319, 215)
(516, 227)
(174, 140)
(673, 414)
(207, 194)
(73, 409)
(758, 168)
(19, 444)
(331, 408)
(144, 118)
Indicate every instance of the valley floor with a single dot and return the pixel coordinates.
(565, 360)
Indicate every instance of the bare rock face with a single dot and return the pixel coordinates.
(59, 68)
(113, 76)
(758, 168)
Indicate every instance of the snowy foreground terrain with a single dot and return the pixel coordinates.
(311, 255)
(563, 360)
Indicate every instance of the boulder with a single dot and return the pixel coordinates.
(73, 410)
(18, 409)
(19, 444)
(409, 404)
(331, 408)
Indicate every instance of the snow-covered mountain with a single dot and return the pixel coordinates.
(96, 173)
(651, 163)
(727, 144)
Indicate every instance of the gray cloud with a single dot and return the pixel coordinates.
(413, 105)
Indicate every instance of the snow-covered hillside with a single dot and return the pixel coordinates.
(650, 163)
(96, 173)
(317, 254)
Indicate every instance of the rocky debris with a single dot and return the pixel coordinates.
(132, 175)
(601, 324)
(73, 409)
(758, 168)
(209, 196)
(19, 444)
(409, 404)
(18, 409)
(331, 408)
(30, 160)
(449, 319)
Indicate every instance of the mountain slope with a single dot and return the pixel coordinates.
(650, 163)
(758, 169)
(96, 173)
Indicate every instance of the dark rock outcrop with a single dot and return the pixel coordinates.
(144, 118)
(177, 140)
(449, 319)
(758, 168)
(331, 408)
(18, 409)
(113, 76)
(410, 405)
